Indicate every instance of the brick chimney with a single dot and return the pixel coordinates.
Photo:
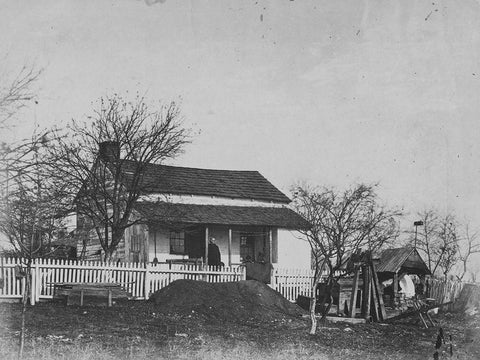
(109, 150)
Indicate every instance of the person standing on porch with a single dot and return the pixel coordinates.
(214, 258)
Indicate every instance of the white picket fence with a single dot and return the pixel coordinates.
(138, 279)
(294, 282)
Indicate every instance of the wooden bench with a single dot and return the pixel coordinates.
(102, 293)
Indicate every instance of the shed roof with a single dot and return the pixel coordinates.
(165, 213)
(235, 184)
(406, 259)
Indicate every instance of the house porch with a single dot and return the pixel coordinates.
(237, 244)
(242, 233)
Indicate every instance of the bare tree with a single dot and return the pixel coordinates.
(426, 239)
(105, 185)
(469, 245)
(27, 210)
(438, 240)
(447, 252)
(342, 224)
(16, 93)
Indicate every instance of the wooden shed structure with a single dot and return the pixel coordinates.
(399, 261)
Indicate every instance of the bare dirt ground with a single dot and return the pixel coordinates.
(194, 320)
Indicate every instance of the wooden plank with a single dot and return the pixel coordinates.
(205, 260)
(346, 319)
(395, 290)
(374, 309)
(230, 237)
(367, 293)
(415, 311)
(383, 313)
(353, 298)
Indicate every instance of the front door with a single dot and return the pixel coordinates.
(195, 242)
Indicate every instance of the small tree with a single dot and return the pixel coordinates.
(438, 240)
(27, 210)
(447, 252)
(468, 245)
(426, 240)
(341, 224)
(104, 186)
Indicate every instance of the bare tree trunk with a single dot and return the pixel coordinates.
(26, 292)
(108, 255)
(313, 302)
(327, 294)
(313, 305)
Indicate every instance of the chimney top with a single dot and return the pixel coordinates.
(109, 150)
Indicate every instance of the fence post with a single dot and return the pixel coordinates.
(147, 281)
(37, 283)
(33, 275)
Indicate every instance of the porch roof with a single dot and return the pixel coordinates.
(168, 213)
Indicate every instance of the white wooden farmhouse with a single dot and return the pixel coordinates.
(182, 208)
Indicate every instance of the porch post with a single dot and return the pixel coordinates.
(229, 247)
(270, 242)
(205, 260)
(395, 289)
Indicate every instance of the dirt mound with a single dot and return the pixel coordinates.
(469, 299)
(232, 301)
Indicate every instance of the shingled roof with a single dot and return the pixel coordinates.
(406, 259)
(162, 212)
(233, 184)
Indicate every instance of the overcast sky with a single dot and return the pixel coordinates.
(329, 92)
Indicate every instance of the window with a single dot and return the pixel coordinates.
(134, 240)
(247, 247)
(177, 242)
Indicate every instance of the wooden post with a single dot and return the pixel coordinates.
(155, 242)
(37, 281)
(81, 297)
(383, 313)
(367, 293)
(270, 242)
(229, 247)
(147, 282)
(33, 283)
(395, 289)
(205, 260)
(374, 309)
(353, 299)
(109, 297)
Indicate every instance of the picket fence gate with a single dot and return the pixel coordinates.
(139, 280)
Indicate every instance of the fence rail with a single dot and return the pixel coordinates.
(142, 280)
(444, 291)
(138, 279)
(294, 282)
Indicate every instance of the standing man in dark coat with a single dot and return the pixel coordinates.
(213, 253)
